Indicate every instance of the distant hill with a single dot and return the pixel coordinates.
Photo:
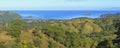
(82, 25)
(6, 16)
(110, 15)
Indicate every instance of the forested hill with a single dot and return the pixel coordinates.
(101, 32)
(6, 16)
(86, 32)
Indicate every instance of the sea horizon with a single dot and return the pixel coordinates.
(62, 14)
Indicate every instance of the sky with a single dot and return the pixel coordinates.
(59, 4)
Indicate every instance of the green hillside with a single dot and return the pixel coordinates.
(73, 33)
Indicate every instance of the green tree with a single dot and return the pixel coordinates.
(36, 32)
(37, 42)
(15, 29)
(17, 45)
(52, 44)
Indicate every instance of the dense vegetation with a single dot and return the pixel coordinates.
(101, 32)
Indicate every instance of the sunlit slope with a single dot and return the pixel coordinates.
(79, 25)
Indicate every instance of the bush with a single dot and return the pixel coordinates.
(36, 32)
(52, 44)
(37, 42)
(18, 45)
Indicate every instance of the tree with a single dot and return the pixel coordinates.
(37, 42)
(36, 32)
(54, 31)
(15, 29)
(17, 45)
(52, 44)
(115, 43)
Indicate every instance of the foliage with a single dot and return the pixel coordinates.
(17, 45)
(15, 29)
(55, 31)
(101, 32)
(36, 32)
(37, 42)
(52, 44)
(111, 43)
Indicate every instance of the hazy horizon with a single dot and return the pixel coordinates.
(63, 14)
(59, 5)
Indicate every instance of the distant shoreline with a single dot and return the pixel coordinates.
(62, 14)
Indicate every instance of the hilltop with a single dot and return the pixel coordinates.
(6, 16)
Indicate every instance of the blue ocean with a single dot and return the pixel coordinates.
(63, 14)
